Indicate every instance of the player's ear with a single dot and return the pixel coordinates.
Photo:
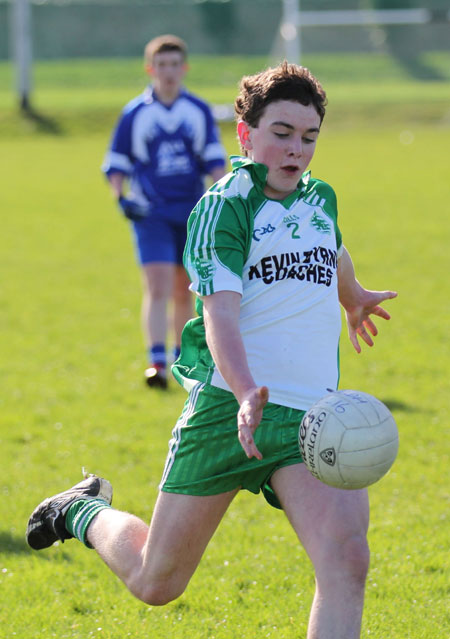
(243, 131)
(149, 69)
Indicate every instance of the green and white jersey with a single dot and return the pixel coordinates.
(281, 256)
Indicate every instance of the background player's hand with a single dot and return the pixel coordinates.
(359, 321)
(132, 210)
(249, 417)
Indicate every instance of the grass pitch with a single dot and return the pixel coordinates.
(72, 396)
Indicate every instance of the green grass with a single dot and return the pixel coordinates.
(72, 396)
(81, 96)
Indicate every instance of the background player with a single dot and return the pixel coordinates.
(165, 143)
(266, 259)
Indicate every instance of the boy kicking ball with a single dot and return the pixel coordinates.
(266, 260)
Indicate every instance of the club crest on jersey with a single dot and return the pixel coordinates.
(321, 225)
(205, 269)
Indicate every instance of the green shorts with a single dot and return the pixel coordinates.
(205, 455)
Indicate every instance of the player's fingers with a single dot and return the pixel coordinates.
(379, 311)
(388, 295)
(248, 443)
(365, 336)
(369, 324)
(381, 296)
(251, 410)
(354, 340)
(245, 418)
(263, 393)
(252, 451)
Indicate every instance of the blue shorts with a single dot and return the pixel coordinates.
(159, 240)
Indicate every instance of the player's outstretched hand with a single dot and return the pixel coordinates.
(249, 417)
(132, 210)
(359, 321)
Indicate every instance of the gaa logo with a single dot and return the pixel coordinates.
(328, 455)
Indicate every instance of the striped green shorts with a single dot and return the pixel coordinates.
(205, 455)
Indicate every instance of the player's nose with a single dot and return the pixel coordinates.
(296, 147)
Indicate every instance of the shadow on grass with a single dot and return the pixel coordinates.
(13, 544)
(403, 45)
(418, 69)
(396, 404)
(41, 122)
(16, 545)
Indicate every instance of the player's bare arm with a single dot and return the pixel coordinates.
(359, 303)
(116, 181)
(221, 316)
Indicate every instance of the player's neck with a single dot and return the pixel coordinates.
(167, 96)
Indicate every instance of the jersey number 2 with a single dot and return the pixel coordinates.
(295, 235)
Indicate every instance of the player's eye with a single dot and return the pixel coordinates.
(281, 135)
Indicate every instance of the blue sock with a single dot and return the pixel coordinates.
(157, 354)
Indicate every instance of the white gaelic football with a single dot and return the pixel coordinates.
(348, 439)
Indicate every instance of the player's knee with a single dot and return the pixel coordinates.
(157, 593)
(344, 559)
(355, 557)
(158, 292)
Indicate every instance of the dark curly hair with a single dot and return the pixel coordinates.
(284, 82)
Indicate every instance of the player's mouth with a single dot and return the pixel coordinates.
(290, 170)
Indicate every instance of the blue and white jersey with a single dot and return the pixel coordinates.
(165, 151)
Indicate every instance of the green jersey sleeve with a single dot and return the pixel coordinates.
(217, 245)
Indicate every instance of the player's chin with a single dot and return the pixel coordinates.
(289, 180)
(283, 187)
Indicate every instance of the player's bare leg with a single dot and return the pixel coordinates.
(182, 302)
(158, 281)
(157, 563)
(332, 526)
